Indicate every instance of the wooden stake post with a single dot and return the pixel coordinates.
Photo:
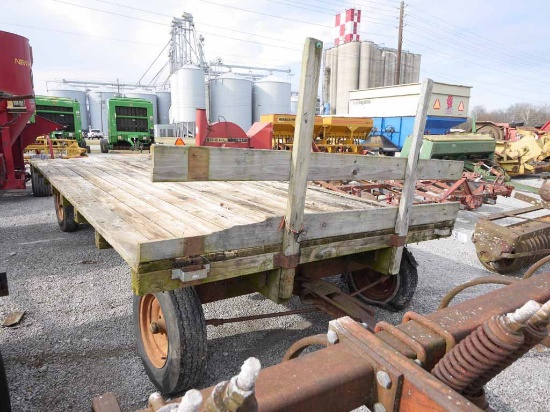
(411, 176)
(301, 149)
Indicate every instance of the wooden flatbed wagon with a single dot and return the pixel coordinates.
(207, 241)
(201, 224)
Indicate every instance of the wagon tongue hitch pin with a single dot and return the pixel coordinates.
(238, 392)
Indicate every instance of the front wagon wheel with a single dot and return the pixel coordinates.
(171, 335)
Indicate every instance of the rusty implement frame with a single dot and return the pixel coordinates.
(52, 148)
(471, 190)
(381, 370)
(508, 248)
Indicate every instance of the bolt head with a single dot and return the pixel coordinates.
(332, 337)
(378, 407)
(383, 379)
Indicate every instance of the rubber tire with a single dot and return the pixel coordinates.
(40, 187)
(104, 145)
(187, 348)
(82, 143)
(408, 280)
(67, 223)
(5, 404)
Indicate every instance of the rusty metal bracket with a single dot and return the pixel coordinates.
(403, 337)
(286, 262)
(432, 326)
(388, 378)
(398, 241)
(191, 273)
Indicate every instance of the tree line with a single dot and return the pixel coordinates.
(529, 114)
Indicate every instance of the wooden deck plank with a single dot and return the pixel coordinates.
(175, 164)
(181, 209)
(219, 196)
(104, 200)
(316, 226)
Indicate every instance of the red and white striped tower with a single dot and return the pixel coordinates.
(347, 26)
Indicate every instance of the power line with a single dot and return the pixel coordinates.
(80, 34)
(477, 36)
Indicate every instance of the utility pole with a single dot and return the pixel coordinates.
(399, 43)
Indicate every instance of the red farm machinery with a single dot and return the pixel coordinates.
(16, 109)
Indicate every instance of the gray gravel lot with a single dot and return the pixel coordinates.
(76, 340)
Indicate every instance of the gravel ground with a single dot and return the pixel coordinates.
(76, 340)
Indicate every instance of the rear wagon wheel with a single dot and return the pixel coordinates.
(392, 292)
(40, 187)
(171, 334)
(65, 215)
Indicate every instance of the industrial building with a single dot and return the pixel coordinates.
(393, 108)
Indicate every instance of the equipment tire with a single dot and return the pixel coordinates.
(65, 215)
(175, 356)
(104, 145)
(5, 404)
(393, 294)
(40, 187)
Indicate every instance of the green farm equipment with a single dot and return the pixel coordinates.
(65, 112)
(130, 125)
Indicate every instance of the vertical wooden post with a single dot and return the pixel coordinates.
(411, 176)
(301, 149)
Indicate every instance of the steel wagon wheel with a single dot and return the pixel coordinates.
(171, 334)
(389, 292)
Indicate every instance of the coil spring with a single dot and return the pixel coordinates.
(481, 351)
(533, 335)
(532, 244)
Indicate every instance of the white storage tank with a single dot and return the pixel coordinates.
(174, 104)
(270, 95)
(146, 95)
(231, 100)
(71, 92)
(99, 114)
(164, 99)
(294, 103)
(348, 74)
(187, 93)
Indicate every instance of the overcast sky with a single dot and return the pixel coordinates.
(497, 46)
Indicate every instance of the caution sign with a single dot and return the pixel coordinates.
(461, 107)
(437, 104)
(179, 142)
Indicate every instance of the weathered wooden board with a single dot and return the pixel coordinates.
(316, 226)
(176, 164)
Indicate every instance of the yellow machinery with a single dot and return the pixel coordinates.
(331, 134)
(61, 148)
(525, 155)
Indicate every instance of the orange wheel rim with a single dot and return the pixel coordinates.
(59, 206)
(152, 326)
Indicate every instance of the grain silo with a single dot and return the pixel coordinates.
(231, 100)
(99, 115)
(365, 66)
(71, 92)
(270, 95)
(390, 67)
(174, 103)
(164, 98)
(146, 95)
(333, 79)
(188, 94)
(348, 74)
(376, 74)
